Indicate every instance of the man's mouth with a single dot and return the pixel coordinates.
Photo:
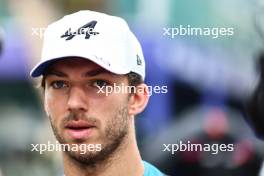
(79, 129)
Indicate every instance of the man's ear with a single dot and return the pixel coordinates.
(139, 100)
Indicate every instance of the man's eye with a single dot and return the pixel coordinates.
(100, 83)
(58, 84)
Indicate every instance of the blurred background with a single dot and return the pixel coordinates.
(208, 80)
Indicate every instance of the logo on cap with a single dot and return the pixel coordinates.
(87, 30)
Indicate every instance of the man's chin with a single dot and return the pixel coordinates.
(87, 157)
(82, 158)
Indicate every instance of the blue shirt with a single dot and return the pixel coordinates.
(150, 170)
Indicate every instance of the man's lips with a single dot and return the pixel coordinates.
(79, 125)
(79, 129)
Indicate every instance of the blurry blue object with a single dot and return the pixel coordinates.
(1, 40)
(158, 113)
(13, 62)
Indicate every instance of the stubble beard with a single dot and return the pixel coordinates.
(113, 141)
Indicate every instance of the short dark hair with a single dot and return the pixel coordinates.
(134, 79)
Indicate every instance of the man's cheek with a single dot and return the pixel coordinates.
(55, 116)
(55, 108)
(50, 104)
(57, 126)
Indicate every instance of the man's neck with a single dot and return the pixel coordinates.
(125, 161)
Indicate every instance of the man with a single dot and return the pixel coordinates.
(84, 54)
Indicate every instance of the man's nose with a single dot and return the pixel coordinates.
(77, 100)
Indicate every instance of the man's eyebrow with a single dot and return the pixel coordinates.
(56, 73)
(95, 72)
(90, 73)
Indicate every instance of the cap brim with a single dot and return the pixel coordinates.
(40, 68)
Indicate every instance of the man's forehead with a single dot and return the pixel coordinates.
(74, 61)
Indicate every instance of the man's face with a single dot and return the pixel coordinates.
(79, 114)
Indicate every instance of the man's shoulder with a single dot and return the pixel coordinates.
(150, 170)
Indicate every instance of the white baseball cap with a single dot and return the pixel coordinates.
(103, 39)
